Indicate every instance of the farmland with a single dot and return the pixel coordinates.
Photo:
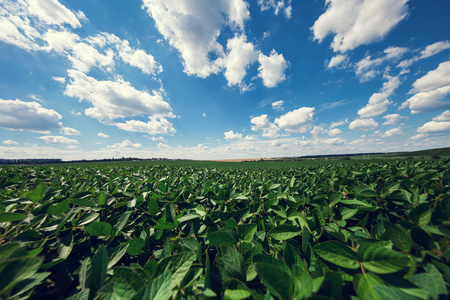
(355, 229)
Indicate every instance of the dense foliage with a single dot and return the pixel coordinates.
(367, 231)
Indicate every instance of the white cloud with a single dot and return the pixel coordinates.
(278, 6)
(429, 50)
(192, 27)
(103, 135)
(358, 22)
(52, 12)
(163, 146)
(430, 90)
(393, 119)
(363, 124)
(153, 127)
(70, 131)
(61, 80)
(115, 99)
(138, 58)
(334, 132)
(278, 105)
(337, 61)
(241, 54)
(268, 129)
(366, 67)
(59, 140)
(81, 16)
(272, 68)
(20, 115)
(434, 127)
(250, 138)
(297, 120)
(393, 132)
(124, 145)
(230, 135)
(379, 102)
(10, 143)
(339, 123)
(445, 116)
(204, 115)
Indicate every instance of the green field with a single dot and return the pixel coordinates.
(312, 229)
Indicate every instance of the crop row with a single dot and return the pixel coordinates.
(368, 231)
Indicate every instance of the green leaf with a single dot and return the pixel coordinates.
(126, 283)
(157, 289)
(83, 295)
(225, 236)
(233, 263)
(178, 265)
(277, 281)
(236, 290)
(284, 232)
(101, 199)
(37, 194)
(11, 217)
(378, 259)
(59, 208)
(398, 236)
(438, 280)
(331, 285)
(115, 254)
(386, 292)
(12, 271)
(303, 282)
(136, 246)
(364, 284)
(99, 229)
(65, 246)
(247, 231)
(97, 275)
(421, 215)
(338, 254)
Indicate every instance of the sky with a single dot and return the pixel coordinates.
(223, 79)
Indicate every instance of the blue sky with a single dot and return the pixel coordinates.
(222, 79)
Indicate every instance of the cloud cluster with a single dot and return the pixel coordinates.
(358, 22)
(279, 6)
(430, 90)
(59, 140)
(439, 125)
(20, 115)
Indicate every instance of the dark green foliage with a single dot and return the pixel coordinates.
(338, 231)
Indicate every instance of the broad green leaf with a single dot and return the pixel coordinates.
(331, 285)
(99, 229)
(236, 290)
(115, 254)
(178, 265)
(157, 289)
(233, 263)
(386, 292)
(82, 295)
(438, 280)
(12, 271)
(225, 236)
(119, 224)
(65, 246)
(59, 208)
(421, 215)
(247, 231)
(136, 246)
(37, 194)
(101, 199)
(398, 237)
(277, 281)
(338, 254)
(28, 283)
(126, 283)
(381, 260)
(97, 275)
(11, 217)
(303, 282)
(284, 232)
(364, 284)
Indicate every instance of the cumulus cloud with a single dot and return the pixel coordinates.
(429, 50)
(445, 116)
(61, 80)
(283, 6)
(59, 140)
(439, 124)
(103, 135)
(334, 132)
(262, 123)
(70, 131)
(358, 22)
(153, 127)
(393, 119)
(193, 28)
(278, 105)
(163, 146)
(430, 90)
(138, 58)
(298, 120)
(115, 99)
(363, 124)
(10, 143)
(379, 102)
(241, 54)
(392, 132)
(231, 135)
(20, 115)
(124, 145)
(52, 12)
(337, 61)
(366, 68)
(272, 68)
